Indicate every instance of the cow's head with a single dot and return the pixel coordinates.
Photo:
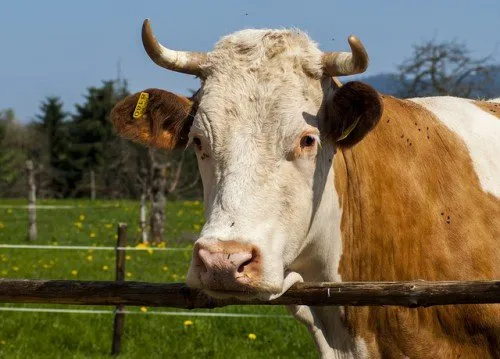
(265, 124)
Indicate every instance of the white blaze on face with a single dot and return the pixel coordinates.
(257, 138)
(479, 130)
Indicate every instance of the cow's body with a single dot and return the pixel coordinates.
(419, 200)
(398, 189)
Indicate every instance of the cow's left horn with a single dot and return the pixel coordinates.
(346, 63)
(180, 61)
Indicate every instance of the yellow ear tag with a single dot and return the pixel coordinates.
(142, 103)
(348, 130)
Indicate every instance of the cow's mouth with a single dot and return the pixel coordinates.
(261, 293)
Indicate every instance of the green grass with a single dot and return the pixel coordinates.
(58, 335)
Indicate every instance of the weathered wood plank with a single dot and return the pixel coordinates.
(178, 295)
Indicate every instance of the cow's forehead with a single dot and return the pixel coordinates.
(258, 50)
(266, 80)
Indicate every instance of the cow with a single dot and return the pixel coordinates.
(306, 179)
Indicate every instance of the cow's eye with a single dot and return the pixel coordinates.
(197, 143)
(307, 141)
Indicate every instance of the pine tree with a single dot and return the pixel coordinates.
(92, 135)
(53, 127)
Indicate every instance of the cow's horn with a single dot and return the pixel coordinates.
(180, 61)
(346, 63)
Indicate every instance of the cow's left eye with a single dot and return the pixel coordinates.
(307, 141)
(197, 143)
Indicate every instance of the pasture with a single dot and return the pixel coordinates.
(82, 335)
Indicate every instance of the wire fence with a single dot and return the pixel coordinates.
(97, 248)
(119, 312)
(167, 313)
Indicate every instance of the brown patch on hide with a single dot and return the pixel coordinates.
(493, 108)
(413, 208)
(164, 124)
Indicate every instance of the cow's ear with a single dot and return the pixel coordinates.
(352, 112)
(154, 118)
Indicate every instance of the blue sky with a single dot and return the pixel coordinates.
(60, 48)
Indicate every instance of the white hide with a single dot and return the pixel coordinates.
(479, 130)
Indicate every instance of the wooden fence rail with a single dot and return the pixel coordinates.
(178, 295)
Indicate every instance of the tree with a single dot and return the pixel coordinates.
(445, 68)
(54, 130)
(93, 145)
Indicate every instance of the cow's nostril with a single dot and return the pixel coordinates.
(242, 266)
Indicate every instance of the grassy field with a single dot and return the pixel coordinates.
(61, 335)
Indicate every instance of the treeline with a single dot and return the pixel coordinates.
(77, 154)
(74, 152)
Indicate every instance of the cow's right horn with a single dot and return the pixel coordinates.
(346, 63)
(180, 61)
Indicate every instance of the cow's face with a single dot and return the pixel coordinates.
(263, 125)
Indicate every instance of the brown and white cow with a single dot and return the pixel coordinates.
(306, 180)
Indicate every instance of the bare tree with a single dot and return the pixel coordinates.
(445, 68)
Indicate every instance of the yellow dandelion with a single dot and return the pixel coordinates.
(128, 257)
(144, 309)
(142, 246)
(162, 245)
(90, 258)
(2, 342)
(175, 276)
(105, 268)
(150, 251)
(116, 236)
(82, 217)
(5, 272)
(188, 323)
(74, 272)
(129, 274)
(196, 227)
(78, 225)
(252, 336)
(180, 212)
(165, 268)
(108, 225)
(92, 235)
(196, 203)
(9, 211)
(46, 266)
(15, 268)
(4, 259)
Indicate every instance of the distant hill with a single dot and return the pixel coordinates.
(389, 83)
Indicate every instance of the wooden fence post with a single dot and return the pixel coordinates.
(92, 185)
(157, 214)
(143, 180)
(31, 201)
(119, 322)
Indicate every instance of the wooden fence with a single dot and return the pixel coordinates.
(177, 295)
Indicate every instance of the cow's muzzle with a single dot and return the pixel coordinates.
(227, 265)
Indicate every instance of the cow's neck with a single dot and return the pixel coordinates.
(320, 260)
